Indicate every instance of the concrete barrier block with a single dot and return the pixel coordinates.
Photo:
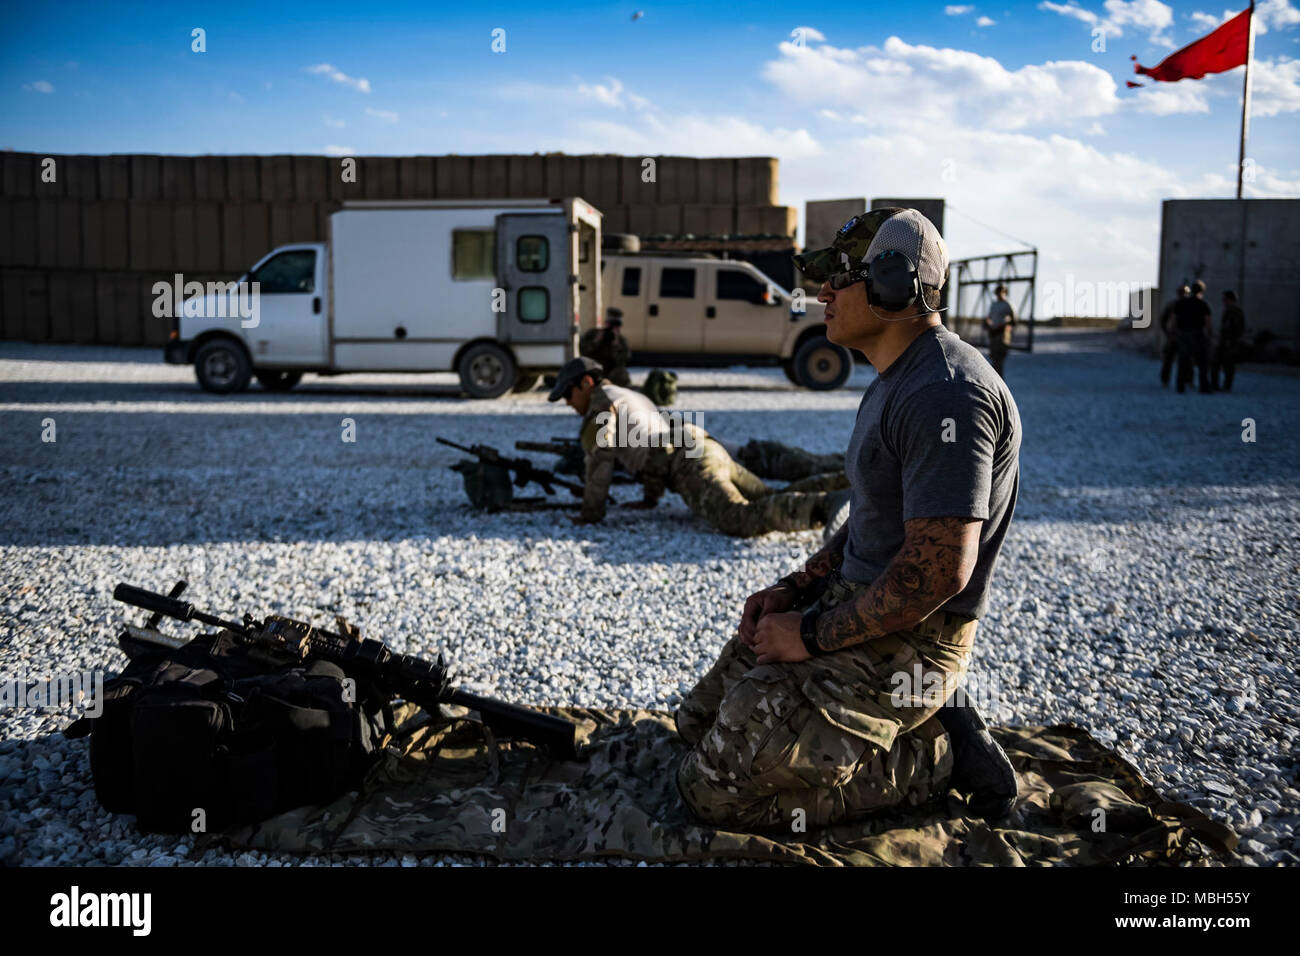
(114, 177)
(146, 178)
(178, 178)
(564, 177)
(452, 177)
(378, 177)
(242, 179)
(414, 178)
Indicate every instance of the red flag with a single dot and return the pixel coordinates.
(1218, 52)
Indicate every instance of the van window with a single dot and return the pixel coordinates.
(534, 304)
(632, 280)
(734, 284)
(677, 284)
(473, 253)
(532, 253)
(287, 272)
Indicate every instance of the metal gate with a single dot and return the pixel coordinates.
(972, 295)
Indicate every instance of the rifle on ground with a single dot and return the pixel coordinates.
(284, 641)
(523, 470)
(571, 457)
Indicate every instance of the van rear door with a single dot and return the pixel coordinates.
(534, 268)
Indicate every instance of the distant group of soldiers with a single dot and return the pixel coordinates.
(1187, 324)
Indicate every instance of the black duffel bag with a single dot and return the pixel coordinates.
(208, 736)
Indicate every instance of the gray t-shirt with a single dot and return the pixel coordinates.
(937, 436)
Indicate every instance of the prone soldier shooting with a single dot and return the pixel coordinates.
(623, 427)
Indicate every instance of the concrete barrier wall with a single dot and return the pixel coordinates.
(79, 254)
(1251, 246)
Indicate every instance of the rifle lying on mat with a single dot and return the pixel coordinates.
(283, 641)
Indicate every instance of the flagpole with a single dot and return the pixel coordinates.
(1245, 98)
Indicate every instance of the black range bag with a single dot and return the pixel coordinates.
(210, 727)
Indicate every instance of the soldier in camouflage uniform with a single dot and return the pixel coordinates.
(772, 459)
(727, 495)
(832, 700)
(608, 348)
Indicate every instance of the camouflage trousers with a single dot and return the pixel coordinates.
(825, 740)
(771, 459)
(735, 501)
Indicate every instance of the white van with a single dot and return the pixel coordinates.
(495, 290)
(705, 311)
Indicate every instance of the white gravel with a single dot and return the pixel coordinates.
(1147, 590)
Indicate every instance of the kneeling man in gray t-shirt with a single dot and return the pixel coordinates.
(830, 700)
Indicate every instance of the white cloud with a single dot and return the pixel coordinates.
(1070, 10)
(1147, 16)
(985, 22)
(360, 84)
(1164, 99)
(612, 94)
(340, 151)
(1275, 86)
(39, 86)
(911, 85)
(334, 123)
(809, 33)
(958, 9)
(1276, 15)
(388, 116)
(1210, 21)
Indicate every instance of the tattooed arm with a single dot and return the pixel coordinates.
(935, 562)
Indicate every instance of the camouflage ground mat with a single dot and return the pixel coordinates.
(451, 787)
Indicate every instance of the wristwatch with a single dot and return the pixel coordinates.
(808, 631)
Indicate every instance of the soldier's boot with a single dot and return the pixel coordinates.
(981, 767)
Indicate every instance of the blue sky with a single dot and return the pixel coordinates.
(1005, 109)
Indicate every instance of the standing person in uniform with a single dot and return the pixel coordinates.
(608, 348)
(1192, 319)
(817, 706)
(1231, 328)
(1001, 320)
(1169, 351)
(622, 425)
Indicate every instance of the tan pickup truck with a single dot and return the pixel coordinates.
(682, 310)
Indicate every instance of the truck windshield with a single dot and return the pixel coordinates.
(287, 272)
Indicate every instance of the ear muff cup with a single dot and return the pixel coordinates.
(892, 282)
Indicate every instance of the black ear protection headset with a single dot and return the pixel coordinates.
(891, 280)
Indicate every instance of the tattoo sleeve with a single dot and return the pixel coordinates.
(934, 563)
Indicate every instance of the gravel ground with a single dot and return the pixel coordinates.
(1143, 589)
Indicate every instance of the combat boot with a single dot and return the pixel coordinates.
(980, 767)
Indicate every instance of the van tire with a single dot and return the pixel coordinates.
(278, 381)
(526, 382)
(787, 366)
(222, 367)
(486, 371)
(821, 365)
